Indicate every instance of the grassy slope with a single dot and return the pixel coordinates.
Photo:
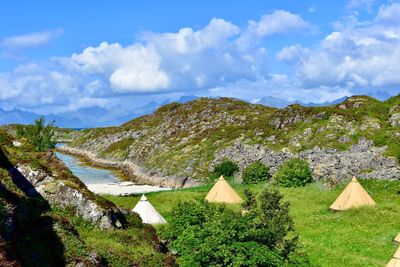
(73, 238)
(358, 237)
(181, 139)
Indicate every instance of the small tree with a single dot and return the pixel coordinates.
(205, 234)
(40, 135)
(293, 173)
(227, 168)
(255, 173)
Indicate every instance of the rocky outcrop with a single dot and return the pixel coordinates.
(63, 194)
(362, 160)
(133, 171)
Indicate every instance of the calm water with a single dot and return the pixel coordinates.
(86, 174)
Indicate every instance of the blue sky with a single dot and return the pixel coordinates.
(60, 56)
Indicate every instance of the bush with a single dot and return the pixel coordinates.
(227, 168)
(255, 173)
(293, 173)
(40, 135)
(205, 234)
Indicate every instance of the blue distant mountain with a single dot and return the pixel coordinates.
(100, 117)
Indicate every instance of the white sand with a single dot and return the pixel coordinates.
(123, 188)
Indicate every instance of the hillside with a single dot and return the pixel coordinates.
(181, 142)
(49, 218)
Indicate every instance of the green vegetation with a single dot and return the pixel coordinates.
(44, 235)
(293, 173)
(182, 139)
(119, 149)
(357, 237)
(227, 168)
(205, 234)
(256, 172)
(39, 135)
(135, 245)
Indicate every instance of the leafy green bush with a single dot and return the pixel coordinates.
(255, 173)
(204, 234)
(227, 168)
(40, 135)
(293, 173)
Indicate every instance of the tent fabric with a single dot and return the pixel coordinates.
(147, 212)
(397, 239)
(354, 195)
(222, 192)
(395, 261)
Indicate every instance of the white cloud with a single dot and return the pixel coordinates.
(172, 61)
(293, 53)
(30, 40)
(31, 86)
(357, 56)
(389, 14)
(132, 68)
(279, 21)
(357, 4)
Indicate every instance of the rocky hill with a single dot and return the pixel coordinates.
(179, 143)
(49, 218)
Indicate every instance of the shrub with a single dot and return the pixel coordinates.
(204, 234)
(293, 173)
(255, 173)
(227, 168)
(40, 135)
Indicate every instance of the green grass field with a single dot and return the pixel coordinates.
(357, 237)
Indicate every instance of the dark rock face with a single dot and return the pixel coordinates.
(59, 193)
(362, 160)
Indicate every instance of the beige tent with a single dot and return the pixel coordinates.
(222, 192)
(395, 261)
(397, 239)
(354, 195)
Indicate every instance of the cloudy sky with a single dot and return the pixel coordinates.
(64, 55)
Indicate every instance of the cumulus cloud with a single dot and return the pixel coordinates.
(357, 56)
(293, 53)
(132, 68)
(172, 61)
(31, 85)
(389, 14)
(218, 59)
(279, 21)
(29, 40)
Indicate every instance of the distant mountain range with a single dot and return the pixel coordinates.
(279, 103)
(100, 117)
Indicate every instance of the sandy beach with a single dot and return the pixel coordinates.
(123, 188)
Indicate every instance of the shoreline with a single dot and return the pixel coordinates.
(124, 189)
(132, 171)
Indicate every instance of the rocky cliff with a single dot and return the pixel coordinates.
(360, 136)
(49, 218)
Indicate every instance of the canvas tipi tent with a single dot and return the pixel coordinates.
(147, 212)
(354, 195)
(395, 261)
(222, 192)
